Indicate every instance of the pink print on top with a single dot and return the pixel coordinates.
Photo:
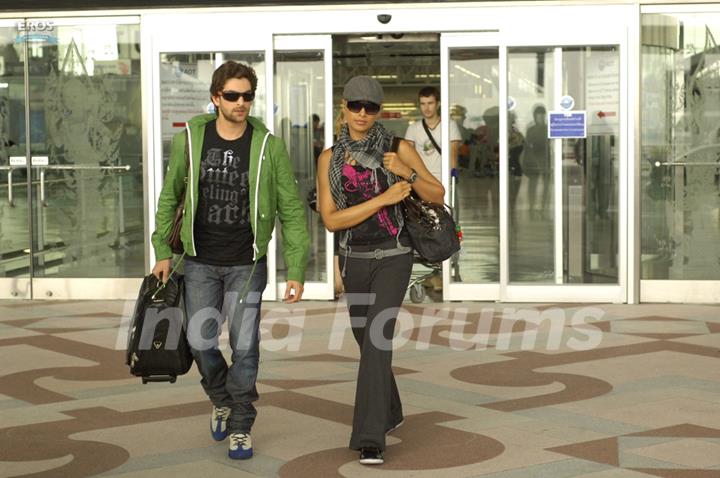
(361, 182)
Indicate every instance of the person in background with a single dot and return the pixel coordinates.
(536, 162)
(426, 135)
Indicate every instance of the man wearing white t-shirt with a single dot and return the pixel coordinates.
(426, 135)
(420, 132)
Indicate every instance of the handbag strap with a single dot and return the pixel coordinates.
(187, 170)
(432, 140)
(395, 145)
(181, 203)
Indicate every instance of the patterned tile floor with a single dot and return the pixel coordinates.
(491, 390)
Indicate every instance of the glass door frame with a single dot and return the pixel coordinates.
(520, 36)
(315, 290)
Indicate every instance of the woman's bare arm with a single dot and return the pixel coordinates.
(404, 161)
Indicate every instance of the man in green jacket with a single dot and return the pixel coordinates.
(239, 177)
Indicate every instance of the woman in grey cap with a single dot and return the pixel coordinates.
(360, 186)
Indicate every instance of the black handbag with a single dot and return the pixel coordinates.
(432, 230)
(157, 347)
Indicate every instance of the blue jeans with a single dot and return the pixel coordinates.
(212, 296)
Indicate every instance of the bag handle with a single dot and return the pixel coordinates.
(162, 283)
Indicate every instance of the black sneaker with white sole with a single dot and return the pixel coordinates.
(371, 456)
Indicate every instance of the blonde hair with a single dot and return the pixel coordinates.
(339, 122)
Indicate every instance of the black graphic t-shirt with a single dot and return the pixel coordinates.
(359, 186)
(223, 235)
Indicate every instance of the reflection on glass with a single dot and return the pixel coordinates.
(14, 232)
(591, 167)
(680, 146)
(300, 121)
(530, 160)
(474, 95)
(86, 119)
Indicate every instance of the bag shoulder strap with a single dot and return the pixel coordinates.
(187, 170)
(395, 144)
(432, 140)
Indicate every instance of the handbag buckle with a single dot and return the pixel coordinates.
(379, 254)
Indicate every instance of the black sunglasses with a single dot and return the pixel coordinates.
(370, 107)
(233, 96)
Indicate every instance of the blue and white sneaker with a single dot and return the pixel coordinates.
(240, 446)
(218, 423)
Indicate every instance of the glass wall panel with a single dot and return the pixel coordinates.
(680, 119)
(86, 143)
(531, 209)
(14, 218)
(300, 121)
(474, 104)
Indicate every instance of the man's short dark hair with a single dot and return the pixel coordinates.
(229, 70)
(430, 91)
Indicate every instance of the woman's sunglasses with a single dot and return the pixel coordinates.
(233, 96)
(370, 107)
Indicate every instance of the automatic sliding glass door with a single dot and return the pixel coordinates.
(542, 167)
(471, 82)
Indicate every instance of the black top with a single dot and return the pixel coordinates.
(358, 187)
(223, 234)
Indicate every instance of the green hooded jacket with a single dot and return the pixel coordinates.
(273, 192)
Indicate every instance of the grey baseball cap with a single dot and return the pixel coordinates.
(363, 88)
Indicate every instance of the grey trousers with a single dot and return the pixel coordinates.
(377, 401)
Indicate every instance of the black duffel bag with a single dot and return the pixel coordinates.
(432, 229)
(157, 348)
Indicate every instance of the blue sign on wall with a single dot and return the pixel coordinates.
(567, 124)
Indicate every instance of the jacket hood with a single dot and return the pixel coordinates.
(202, 120)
